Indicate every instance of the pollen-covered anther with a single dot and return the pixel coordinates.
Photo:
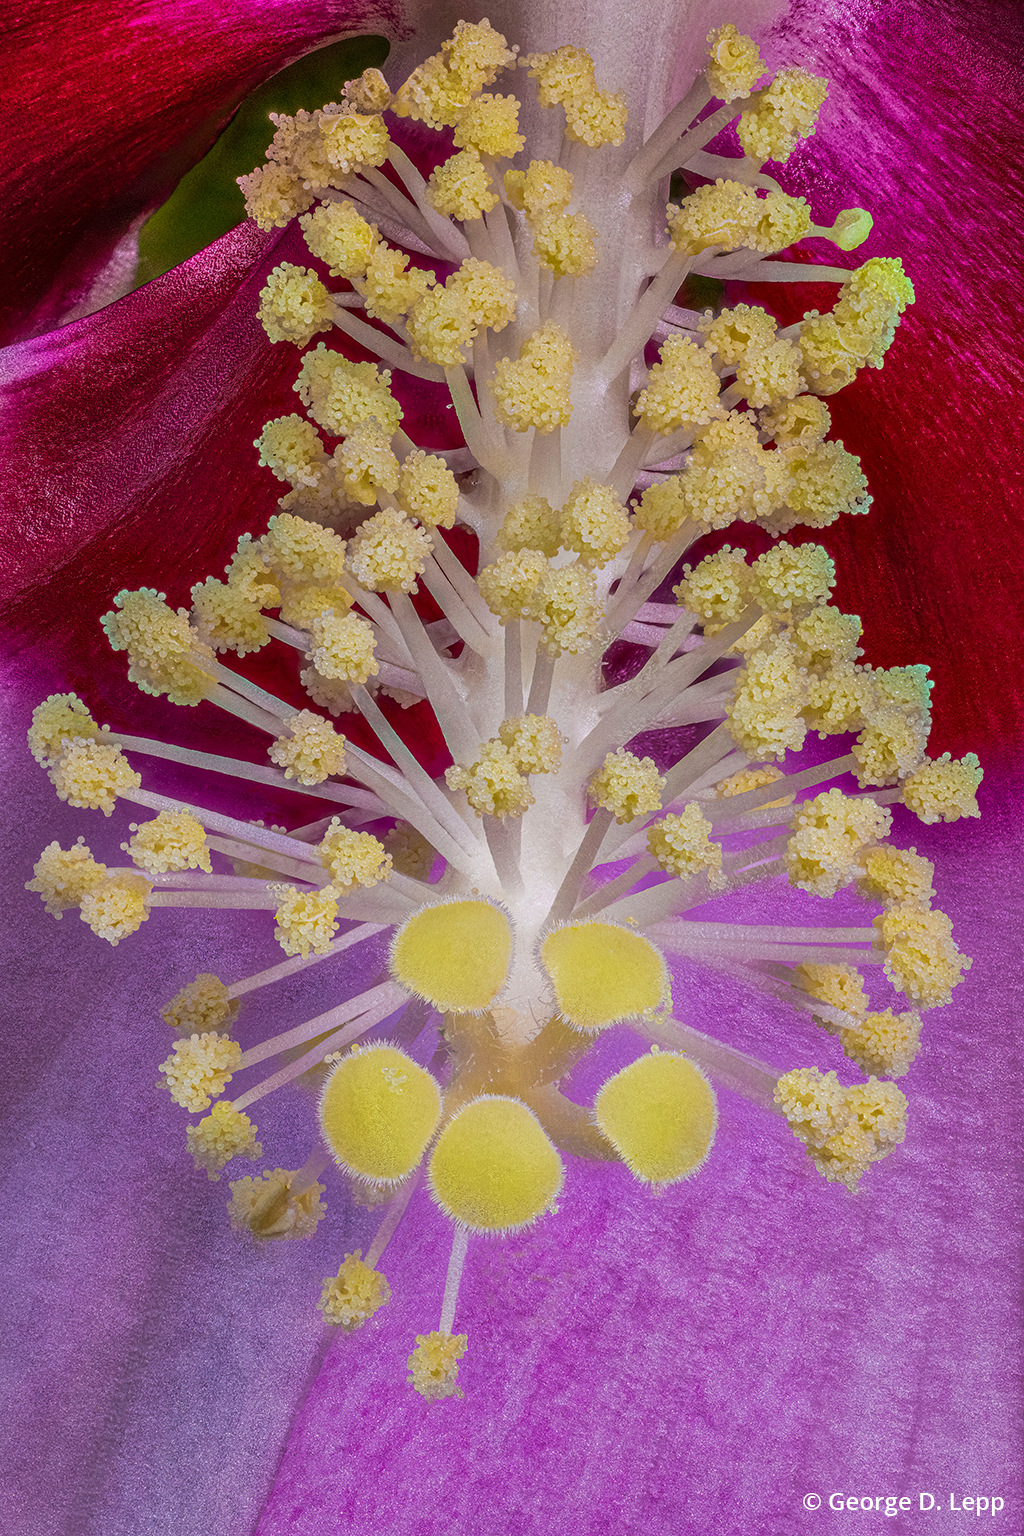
(462, 188)
(718, 589)
(91, 774)
(303, 551)
(273, 195)
(944, 790)
(816, 486)
(869, 306)
(765, 712)
(427, 490)
(660, 1115)
(410, 852)
(790, 578)
(885, 1044)
(494, 784)
(59, 719)
(341, 237)
(454, 955)
(541, 189)
(627, 785)
(366, 463)
(388, 553)
(352, 140)
(602, 974)
(202, 1007)
(342, 649)
(560, 75)
(225, 620)
(441, 326)
(770, 373)
(827, 637)
(564, 243)
(378, 1111)
(493, 1168)
(565, 604)
(509, 585)
(594, 523)
(437, 91)
(307, 921)
(368, 92)
(786, 113)
(814, 1103)
(295, 305)
(804, 422)
(661, 510)
(735, 66)
(173, 840)
(732, 332)
(921, 959)
(311, 751)
(682, 845)
(352, 1296)
(829, 836)
(434, 1365)
(249, 574)
(752, 778)
(165, 655)
(838, 986)
(63, 876)
(303, 602)
(722, 215)
(566, 77)
(842, 699)
(353, 858)
(843, 1129)
(342, 395)
(292, 448)
(728, 473)
(223, 1134)
(890, 746)
(531, 524)
(389, 286)
(266, 1208)
(533, 391)
(200, 1069)
(681, 387)
(534, 741)
(489, 124)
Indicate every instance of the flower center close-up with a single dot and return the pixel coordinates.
(632, 769)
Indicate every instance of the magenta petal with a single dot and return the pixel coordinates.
(701, 1362)
(152, 1366)
(107, 106)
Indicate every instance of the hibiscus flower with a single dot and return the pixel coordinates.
(693, 1349)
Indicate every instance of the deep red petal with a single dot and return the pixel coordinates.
(106, 106)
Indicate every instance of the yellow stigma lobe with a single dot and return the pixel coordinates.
(603, 974)
(659, 1114)
(494, 1169)
(455, 955)
(378, 1111)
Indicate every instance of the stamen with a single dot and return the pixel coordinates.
(460, 1243)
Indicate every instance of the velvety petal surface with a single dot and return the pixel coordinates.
(704, 1361)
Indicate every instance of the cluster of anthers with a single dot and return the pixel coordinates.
(514, 943)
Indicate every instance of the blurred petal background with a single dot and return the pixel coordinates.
(697, 1363)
